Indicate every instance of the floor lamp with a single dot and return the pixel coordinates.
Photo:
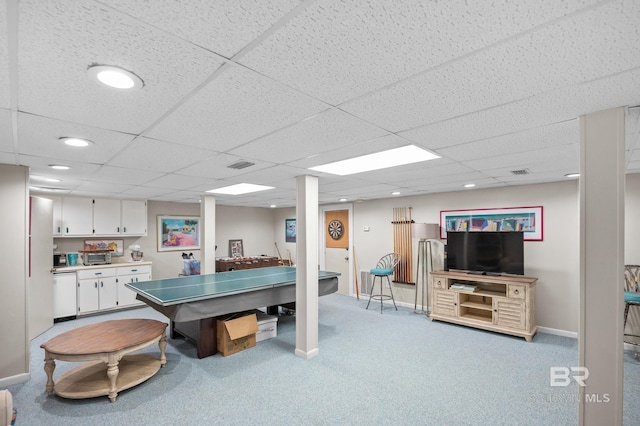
(424, 233)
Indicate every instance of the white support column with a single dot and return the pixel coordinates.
(601, 266)
(207, 234)
(307, 267)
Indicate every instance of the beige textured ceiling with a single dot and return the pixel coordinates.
(491, 87)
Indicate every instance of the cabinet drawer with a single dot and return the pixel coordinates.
(95, 273)
(439, 284)
(134, 269)
(516, 291)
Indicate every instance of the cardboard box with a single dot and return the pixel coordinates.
(267, 326)
(236, 332)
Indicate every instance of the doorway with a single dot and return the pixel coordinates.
(336, 247)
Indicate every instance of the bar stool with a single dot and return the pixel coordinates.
(384, 268)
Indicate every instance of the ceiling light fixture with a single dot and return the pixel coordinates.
(273, 206)
(239, 189)
(380, 160)
(342, 200)
(75, 141)
(44, 179)
(59, 167)
(469, 185)
(572, 175)
(115, 77)
(395, 193)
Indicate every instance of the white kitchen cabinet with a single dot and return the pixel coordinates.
(131, 274)
(64, 295)
(134, 217)
(97, 290)
(77, 216)
(106, 217)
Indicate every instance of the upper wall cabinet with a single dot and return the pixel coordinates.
(88, 217)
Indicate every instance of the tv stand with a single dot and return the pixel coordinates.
(505, 304)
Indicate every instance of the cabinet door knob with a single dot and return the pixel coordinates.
(516, 291)
(101, 284)
(125, 229)
(95, 284)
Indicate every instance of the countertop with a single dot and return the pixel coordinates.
(60, 270)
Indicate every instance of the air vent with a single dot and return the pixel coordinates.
(521, 172)
(238, 165)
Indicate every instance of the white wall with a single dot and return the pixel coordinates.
(554, 260)
(14, 215)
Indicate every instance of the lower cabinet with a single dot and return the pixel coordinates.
(505, 304)
(104, 288)
(131, 274)
(97, 290)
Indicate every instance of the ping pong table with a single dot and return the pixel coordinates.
(192, 302)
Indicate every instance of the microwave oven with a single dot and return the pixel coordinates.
(96, 258)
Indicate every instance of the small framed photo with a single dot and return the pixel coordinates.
(290, 230)
(235, 248)
(178, 233)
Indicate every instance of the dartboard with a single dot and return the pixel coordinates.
(335, 229)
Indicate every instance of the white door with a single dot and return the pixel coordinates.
(335, 240)
(40, 264)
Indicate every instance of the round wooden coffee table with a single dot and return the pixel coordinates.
(105, 345)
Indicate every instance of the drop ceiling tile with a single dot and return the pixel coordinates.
(145, 192)
(153, 155)
(79, 34)
(4, 58)
(495, 76)
(273, 175)
(324, 132)
(39, 136)
(173, 181)
(569, 155)
(102, 187)
(217, 167)
(238, 106)
(224, 27)
(339, 50)
(565, 133)
(133, 176)
(6, 131)
(40, 166)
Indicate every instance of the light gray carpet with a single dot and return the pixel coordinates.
(396, 368)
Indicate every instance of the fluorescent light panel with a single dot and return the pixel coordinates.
(239, 189)
(380, 160)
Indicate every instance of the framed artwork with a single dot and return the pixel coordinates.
(116, 246)
(178, 233)
(525, 219)
(290, 230)
(235, 248)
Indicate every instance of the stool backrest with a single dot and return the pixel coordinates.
(388, 261)
(631, 278)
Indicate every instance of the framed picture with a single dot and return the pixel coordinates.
(525, 219)
(235, 248)
(290, 230)
(116, 246)
(178, 233)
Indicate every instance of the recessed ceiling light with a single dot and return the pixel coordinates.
(380, 160)
(59, 167)
(342, 200)
(469, 185)
(395, 193)
(240, 188)
(115, 77)
(273, 206)
(572, 175)
(76, 141)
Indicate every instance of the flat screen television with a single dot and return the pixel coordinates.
(490, 253)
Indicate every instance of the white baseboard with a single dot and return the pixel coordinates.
(14, 380)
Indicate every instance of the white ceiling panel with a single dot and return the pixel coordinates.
(213, 25)
(149, 154)
(339, 50)
(6, 131)
(330, 130)
(234, 108)
(40, 136)
(217, 167)
(290, 84)
(5, 90)
(67, 37)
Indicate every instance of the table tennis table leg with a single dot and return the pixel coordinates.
(202, 332)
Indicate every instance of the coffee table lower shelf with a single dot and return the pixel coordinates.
(90, 380)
